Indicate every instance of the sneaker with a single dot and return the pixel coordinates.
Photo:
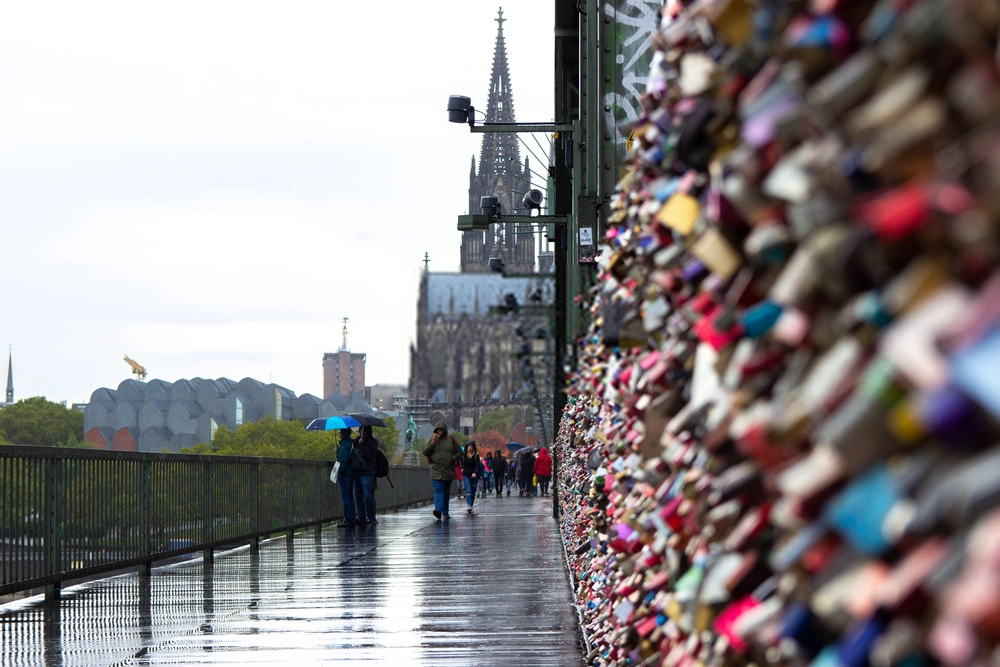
(469, 511)
(373, 522)
(447, 517)
(437, 514)
(345, 524)
(508, 492)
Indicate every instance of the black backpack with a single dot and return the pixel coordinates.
(382, 466)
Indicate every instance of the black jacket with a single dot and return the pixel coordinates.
(472, 466)
(526, 468)
(499, 466)
(367, 449)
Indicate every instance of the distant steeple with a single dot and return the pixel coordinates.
(10, 376)
(502, 174)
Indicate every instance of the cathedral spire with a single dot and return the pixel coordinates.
(10, 376)
(499, 148)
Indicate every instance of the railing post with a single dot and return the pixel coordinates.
(207, 519)
(53, 524)
(290, 534)
(318, 478)
(145, 539)
(255, 508)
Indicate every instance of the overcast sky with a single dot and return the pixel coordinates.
(209, 187)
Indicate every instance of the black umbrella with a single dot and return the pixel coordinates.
(527, 450)
(367, 420)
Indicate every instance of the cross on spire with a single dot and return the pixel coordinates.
(427, 262)
(500, 19)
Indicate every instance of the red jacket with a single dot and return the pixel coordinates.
(543, 464)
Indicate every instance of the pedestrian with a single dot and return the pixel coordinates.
(499, 473)
(460, 492)
(345, 478)
(472, 467)
(443, 454)
(487, 475)
(363, 464)
(543, 470)
(525, 473)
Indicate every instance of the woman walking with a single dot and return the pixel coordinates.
(543, 471)
(472, 467)
(499, 473)
(442, 453)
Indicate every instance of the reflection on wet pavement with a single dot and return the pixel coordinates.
(486, 589)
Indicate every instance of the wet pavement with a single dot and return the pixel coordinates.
(485, 589)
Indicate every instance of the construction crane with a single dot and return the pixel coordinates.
(137, 368)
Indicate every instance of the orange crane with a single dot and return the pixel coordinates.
(137, 368)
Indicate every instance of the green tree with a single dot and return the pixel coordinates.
(389, 435)
(42, 423)
(271, 437)
(501, 420)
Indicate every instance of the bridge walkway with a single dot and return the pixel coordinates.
(484, 589)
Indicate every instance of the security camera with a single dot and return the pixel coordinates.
(533, 199)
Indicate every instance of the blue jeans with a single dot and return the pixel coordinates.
(470, 489)
(346, 484)
(366, 511)
(442, 493)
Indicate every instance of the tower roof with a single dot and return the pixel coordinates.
(500, 153)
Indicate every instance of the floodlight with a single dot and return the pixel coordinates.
(533, 199)
(460, 109)
(489, 205)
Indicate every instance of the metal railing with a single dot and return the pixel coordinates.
(74, 513)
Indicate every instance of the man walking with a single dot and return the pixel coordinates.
(499, 473)
(442, 454)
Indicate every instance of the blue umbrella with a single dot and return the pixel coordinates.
(514, 446)
(332, 423)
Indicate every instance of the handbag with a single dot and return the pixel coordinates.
(334, 472)
(534, 480)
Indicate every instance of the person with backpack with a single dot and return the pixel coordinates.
(345, 478)
(363, 466)
(442, 454)
(472, 473)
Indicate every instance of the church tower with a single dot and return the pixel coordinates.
(10, 379)
(501, 175)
